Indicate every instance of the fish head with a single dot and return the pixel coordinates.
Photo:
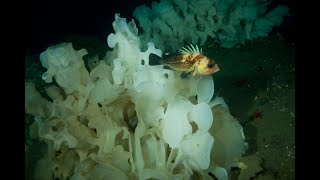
(207, 66)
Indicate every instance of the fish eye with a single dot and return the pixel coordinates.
(210, 65)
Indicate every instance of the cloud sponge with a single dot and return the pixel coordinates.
(172, 23)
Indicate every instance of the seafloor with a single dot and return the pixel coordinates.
(257, 80)
(258, 83)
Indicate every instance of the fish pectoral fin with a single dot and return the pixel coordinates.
(167, 67)
(194, 72)
(185, 74)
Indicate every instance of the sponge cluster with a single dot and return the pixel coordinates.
(125, 119)
(172, 23)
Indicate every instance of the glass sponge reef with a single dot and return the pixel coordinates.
(172, 23)
(125, 119)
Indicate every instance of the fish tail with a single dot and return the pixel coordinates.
(154, 59)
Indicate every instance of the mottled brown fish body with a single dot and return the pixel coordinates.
(177, 63)
(190, 61)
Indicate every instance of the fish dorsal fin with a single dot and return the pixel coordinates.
(190, 50)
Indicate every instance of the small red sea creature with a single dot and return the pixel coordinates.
(257, 115)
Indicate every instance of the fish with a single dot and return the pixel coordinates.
(189, 60)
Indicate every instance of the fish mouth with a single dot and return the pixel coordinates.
(212, 70)
(215, 69)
